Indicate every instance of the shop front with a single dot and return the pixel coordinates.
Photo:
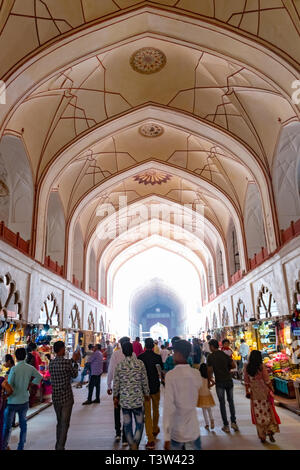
(278, 342)
(11, 326)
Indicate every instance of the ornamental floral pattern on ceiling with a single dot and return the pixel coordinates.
(148, 60)
(152, 177)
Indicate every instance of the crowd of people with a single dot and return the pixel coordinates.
(186, 371)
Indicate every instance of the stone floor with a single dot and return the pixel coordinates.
(92, 427)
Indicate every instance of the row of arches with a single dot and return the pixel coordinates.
(266, 307)
(17, 194)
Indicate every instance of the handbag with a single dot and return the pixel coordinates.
(7, 388)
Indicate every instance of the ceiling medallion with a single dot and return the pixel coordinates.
(151, 130)
(148, 60)
(152, 177)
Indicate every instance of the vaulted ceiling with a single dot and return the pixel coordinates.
(179, 100)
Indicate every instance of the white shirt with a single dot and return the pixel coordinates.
(206, 347)
(244, 349)
(164, 354)
(117, 357)
(180, 421)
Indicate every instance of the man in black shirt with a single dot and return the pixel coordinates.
(151, 361)
(220, 364)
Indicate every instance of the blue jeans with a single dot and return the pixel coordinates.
(191, 445)
(9, 416)
(138, 414)
(86, 370)
(220, 389)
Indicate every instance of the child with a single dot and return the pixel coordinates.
(205, 399)
(226, 347)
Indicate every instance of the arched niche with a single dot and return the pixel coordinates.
(210, 275)
(214, 321)
(219, 267)
(254, 221)
(10, 303)
(296, 297)
(101, 325)
(203, 287)
(286, 175)
(266, 304)
(78, 253)
(240, 312)
(225, 317)
(93, 271)
(91, 321)
(233, 249)
(55, 244)
(16, 186)
(74, 318)
(49, 313)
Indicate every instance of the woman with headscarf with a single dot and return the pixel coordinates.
(260, 391)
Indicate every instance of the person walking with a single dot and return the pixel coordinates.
(220, 364)
(116, 358)
(226, 347)
(164, 353)
(151, 360)
(180, 421)
(109, 353)
(196, 353)
(96, 364)
(34, 359)
(244, 351)
(20, 377)
(130, 390)
(87, 366)
(5, 391)
(137, 347)
(205, 399)
(156, 348)
(261, 393)
(206, 348)
(170, 364)
(8, 363)
(62, 371)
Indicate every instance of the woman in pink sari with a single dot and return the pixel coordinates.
(260, 390)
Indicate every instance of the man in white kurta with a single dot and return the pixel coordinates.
(180, 421)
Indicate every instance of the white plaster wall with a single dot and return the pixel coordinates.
(286, 175)
(254, 221)
(279, 274)
(55, 246)
(35, 283)
(229, 240)
(20, 184)
(93, 271)
(78, 253)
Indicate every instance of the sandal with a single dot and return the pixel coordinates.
(271, 437)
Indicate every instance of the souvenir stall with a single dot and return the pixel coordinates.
(275, 342)
(49, 328)
(11, 326)
(89, 334)
(243, 330)
(73, 335)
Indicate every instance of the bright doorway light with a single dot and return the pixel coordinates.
(138, 271)
(159, 330)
